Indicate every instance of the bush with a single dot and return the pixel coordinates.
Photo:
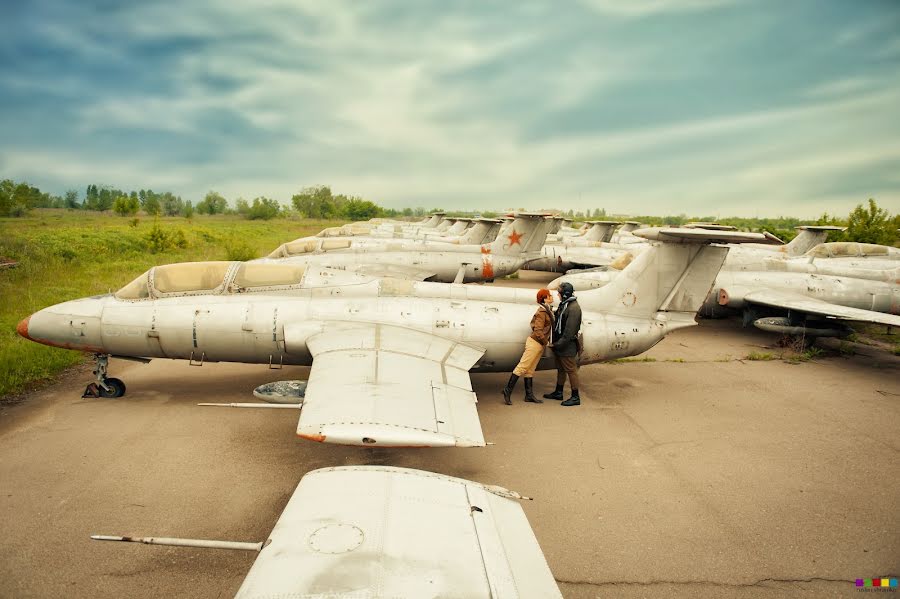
(126, 206)
(159, 240)
(263, 209)
(239, 250)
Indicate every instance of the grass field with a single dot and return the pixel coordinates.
(64, 255)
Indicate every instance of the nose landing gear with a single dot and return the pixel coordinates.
(104, 387)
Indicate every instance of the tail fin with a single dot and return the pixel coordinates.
(484, 230)
(555, 224)
(435, 219)
(809, 237)
(601, 230)
(673, 276)
(524, 235)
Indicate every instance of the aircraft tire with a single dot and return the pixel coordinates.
(116, 388)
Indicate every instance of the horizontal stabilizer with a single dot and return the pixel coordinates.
(684, 235)
(820, 228)
(376, 531)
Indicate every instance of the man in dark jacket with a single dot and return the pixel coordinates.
(565, 344)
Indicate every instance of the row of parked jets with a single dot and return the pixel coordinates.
(382, 313)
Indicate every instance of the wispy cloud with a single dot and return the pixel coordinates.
(645, 106)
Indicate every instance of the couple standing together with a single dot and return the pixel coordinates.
(560, 330)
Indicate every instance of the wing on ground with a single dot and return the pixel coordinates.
(801, 303)
(382, 385)
(374, 531)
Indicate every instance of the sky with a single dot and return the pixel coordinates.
(703, 107)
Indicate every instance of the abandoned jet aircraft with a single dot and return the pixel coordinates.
(750, 256)
(791, 296)
(390, 358)
(419, 260)
(379, 531)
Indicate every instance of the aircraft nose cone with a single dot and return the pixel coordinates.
(22, 328)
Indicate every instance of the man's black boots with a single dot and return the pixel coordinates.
(557, 394)
(508, 389)
(575, 400)
(529, 391)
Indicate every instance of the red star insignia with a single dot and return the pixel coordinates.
(485, 249)
(514, 237)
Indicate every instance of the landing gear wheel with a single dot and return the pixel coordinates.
(116, 388)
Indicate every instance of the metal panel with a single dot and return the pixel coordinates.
(379, 532)
(374, 384)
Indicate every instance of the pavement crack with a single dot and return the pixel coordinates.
(714, 583)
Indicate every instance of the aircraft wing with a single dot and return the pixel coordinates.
(382, 385)
(395, 271)
(376, 531)
(802, 303)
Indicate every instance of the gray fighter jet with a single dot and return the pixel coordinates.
(419, 260)
(390, 358)
(795, 296)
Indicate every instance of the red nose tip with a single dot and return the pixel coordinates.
(22, 328)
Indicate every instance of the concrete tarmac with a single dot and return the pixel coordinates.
(701, 474)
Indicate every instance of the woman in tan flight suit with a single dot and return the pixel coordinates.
(541, 325)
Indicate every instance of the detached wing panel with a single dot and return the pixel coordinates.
(373, 384)
(372, 531)
(801, 303)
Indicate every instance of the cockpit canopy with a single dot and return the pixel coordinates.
(191, 278)
(851, 249)
(307, 245)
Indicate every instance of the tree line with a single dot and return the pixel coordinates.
(867, 223)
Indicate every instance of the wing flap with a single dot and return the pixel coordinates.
(372, 531)
(801, 303)
(374, 384)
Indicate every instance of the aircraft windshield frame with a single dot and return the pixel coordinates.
(191, 278)
(236, 277)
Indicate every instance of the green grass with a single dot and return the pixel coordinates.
(805, 356)
(627, 360)
(64, 255)
(756, 356)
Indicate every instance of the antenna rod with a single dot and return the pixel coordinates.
(204, 543)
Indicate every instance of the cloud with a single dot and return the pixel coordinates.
(644, 8)
(477, 107)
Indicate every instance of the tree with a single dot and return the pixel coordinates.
(151, 205)
(72, 199)
(359, 209)
(263, 208)
(105, 199)
(242, 207)
(213, 203)
(315, 202)
(871, 225)
(171, 205)
(126, 206)
(187, 210)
